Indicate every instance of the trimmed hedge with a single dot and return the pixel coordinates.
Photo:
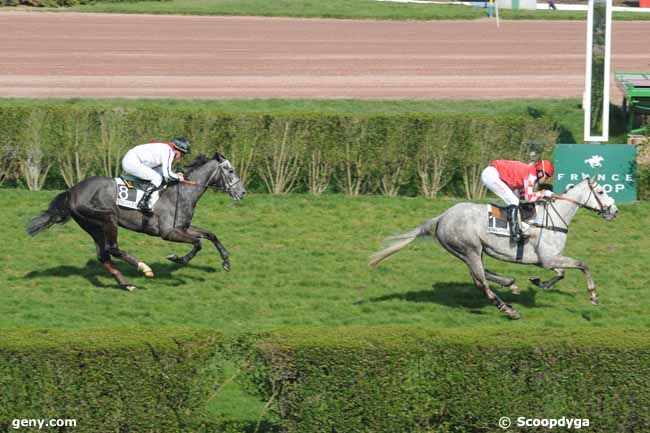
(414, 380)
(419, 153)
(383, 379)
(109, 381)
(643, 166)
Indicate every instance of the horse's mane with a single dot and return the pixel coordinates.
(198, 162)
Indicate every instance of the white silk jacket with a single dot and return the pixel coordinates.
(156, 155)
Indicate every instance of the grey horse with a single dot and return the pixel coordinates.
(462, 230)
(92, 204)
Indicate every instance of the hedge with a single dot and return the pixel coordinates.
(351, 379)
(109, 381)
(419, 153)
(414, 380)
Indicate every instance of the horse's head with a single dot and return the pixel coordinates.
(592, 196)
(226, 179)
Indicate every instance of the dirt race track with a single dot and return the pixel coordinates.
(96, 55)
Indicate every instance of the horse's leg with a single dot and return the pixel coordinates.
(475, 263)
(562, 262)
(110, 232)
(96, 231)
(183, 236)
(202, 233)
(559, 274)
(187, 257)
(131, 260)
(504, 281)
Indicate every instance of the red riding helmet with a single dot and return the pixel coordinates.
(546, 166)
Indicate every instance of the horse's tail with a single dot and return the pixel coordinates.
(398, 242)
(57, 213)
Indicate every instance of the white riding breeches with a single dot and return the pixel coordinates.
(132, 165)
(492, 181)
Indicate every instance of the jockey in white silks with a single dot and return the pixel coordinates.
(508, 179)
(153, 162)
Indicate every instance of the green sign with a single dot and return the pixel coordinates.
(612, 165)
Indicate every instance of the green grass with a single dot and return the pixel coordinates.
(293, 8)
(301, 261)
(349, 9)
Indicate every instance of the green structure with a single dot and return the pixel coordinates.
(636, 99)
(612, 165)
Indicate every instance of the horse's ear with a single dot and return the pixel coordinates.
(219, 157)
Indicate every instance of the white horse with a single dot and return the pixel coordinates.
(462, 230)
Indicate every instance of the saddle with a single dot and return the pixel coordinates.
(527, 210)
(130, 190)
(134, 182)
(498, 217)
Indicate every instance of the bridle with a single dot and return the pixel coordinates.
(227, 187)
(602, 209)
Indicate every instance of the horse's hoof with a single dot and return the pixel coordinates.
(509, 311)
(514, 289)
(145, 269)
(595, 301)
(128, 287)
(226, 266)
(174, 258)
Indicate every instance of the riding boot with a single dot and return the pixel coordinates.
(513, 221)
(144, 204)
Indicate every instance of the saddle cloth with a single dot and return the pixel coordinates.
(130, 192)
(498, 218)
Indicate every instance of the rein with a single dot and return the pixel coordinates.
(547, 217)
(228, 186)
(569, 199)
(204, 185)
(602, 209)
(565, 229)
(194, 183)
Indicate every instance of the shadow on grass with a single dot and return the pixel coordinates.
(92, 271)
(461, 295)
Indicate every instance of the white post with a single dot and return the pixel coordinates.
(496, 8)
(589, 72)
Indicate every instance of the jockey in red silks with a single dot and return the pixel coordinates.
(504, 178)
(153, 162)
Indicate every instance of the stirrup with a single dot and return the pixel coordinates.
(514, 233)
(519, 236)
(144, 206)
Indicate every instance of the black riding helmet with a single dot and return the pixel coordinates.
(181, 144)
